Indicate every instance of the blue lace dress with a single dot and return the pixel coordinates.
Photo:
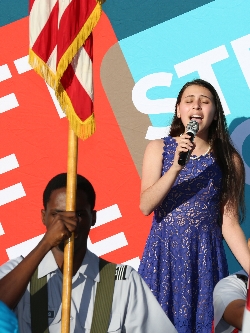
(184, 255)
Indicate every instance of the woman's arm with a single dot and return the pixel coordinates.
(235, 238)
(154, 188)
(231, 228)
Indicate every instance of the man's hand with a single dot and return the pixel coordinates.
(60, 227)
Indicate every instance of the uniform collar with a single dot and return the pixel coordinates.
(89, 267)
(47, 265)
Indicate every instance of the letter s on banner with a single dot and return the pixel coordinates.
(150, 106)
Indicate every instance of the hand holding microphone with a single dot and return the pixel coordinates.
(191, 129)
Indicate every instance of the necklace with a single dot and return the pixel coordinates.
(196, 157)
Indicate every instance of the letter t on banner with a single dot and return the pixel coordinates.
(60, 33)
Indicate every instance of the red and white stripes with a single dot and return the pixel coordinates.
(61, 52)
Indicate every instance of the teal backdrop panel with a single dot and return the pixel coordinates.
(211, 42)
(12, 10)
(160, 36)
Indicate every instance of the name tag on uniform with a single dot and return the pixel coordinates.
(51, 314)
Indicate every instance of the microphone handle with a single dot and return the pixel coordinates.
(184, 156)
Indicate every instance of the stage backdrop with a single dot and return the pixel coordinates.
(143, 53)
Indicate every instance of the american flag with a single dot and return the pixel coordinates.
(61, 42)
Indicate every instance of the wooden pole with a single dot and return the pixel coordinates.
(69, 243)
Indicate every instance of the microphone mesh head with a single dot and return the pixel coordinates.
(192, 127)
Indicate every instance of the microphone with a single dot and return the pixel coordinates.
(191, 129)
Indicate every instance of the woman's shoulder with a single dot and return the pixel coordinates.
(155, 144)
(154, 148)
(160, 145)
(153, 153)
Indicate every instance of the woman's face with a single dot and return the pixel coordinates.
(197, 103)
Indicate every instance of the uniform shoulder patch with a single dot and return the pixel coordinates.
(120, 272)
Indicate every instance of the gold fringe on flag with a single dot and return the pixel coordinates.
(78, 41)
(41, 68)
(83, 129)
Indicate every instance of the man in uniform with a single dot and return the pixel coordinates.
(133, 309)
(229, 300)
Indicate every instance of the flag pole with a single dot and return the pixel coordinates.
(69, 243)
(53, 68)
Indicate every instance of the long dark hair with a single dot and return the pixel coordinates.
(227, 157)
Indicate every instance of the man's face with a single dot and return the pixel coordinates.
(86, 216)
